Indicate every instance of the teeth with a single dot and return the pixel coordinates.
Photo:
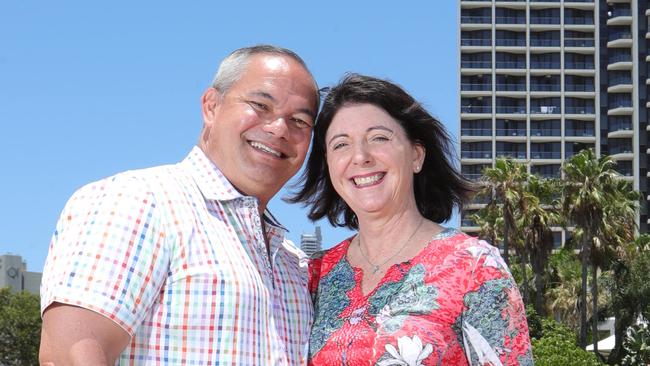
(368, 180)
(265, 148)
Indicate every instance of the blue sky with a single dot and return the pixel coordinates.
(89, 89)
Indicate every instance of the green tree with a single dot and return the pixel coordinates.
(20, 328)
(590, 187)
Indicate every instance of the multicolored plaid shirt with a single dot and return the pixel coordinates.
(177, 257)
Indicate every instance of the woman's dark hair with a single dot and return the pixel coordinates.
(437, 188)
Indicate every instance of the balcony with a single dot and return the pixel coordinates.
(470, 154)
(510, 20)
(511, 132)
(579, 87)
(511, 64)
(545, 87)
(476, 64)
(472, 176)
(476, 109)
(511, 87)
(619, 39)
(545, 42)
(544, 20)
(470, 19)
(545, 154)
(579, 110)
(545, 109)
(615, 150)
(545, 64)
(620, 81)
(579, 65)
(579, 42)
(621, 57)
(579, 20)
(512, 154)
(476, 132)
(476, 42)
(511, 42)
(580, 132)
(512, 109)
(545, 132)
(475, 87)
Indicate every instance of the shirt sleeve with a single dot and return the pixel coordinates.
(107, 253)
(494, 327)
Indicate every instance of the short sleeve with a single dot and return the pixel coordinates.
(493, 324)
(108, 251)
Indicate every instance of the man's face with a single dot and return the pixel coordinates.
(258, 132)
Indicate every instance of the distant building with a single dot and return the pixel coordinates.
(311, 243)
(14, 274)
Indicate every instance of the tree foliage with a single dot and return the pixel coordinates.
(20, 328)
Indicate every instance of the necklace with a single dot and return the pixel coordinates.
(376, 267)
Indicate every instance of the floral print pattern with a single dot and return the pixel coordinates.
(453, 304)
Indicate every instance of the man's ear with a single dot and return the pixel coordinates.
(210, 102)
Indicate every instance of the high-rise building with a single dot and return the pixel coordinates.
(541, 80)
(14, 274)
(311, 243)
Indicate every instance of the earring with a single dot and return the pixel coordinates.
(417, 169)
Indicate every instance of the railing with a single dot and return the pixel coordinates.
(545, 42)
(476, 132)
(578, 1)
(621, 57)
(545, 132)
(581, 132)
(547, 175)
(471, 19)
(511, 64)
(544, 1)
(467, 222)
(621, 13)
(512, 109)
(620, 104)
(620, 150)
(511, 42)
(476, 109)
(510, 20)
(545, 87)
(511, 132)
(579, 42)
(626, 172)
(579, 20)
(472, 176)
(620, 126)
(579, 110)
(476, 64)
(470, 154)
(480, 199)
(619, 35)
(579, 65)
(475, 87)
(544, 64)
(544, 20)
(545, 109)
(579, 87)
(620, 80)
(512, 154)
(511, 87)
(476, 42)
(545, 154)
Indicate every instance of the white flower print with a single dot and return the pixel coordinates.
(357, 315)
(411, 352)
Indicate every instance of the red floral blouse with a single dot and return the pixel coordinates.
(453, 304)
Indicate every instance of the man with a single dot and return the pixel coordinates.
(182, 264)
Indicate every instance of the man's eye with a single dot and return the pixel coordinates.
(259, 106)
(300, 123)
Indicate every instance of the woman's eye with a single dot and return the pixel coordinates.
(338, 145)
(380, 138)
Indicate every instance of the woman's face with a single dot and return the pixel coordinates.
(371, 160)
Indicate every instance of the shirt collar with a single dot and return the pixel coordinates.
(214, 185)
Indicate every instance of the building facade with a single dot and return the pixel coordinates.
(14, 274)
(542, 80)
(311, 243)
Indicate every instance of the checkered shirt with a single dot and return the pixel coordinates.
(176, 256)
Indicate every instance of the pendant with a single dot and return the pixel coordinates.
(375, 269)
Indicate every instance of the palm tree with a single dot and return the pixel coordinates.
(503, 183)
(490, 221)
(590, 185)
(539, 214)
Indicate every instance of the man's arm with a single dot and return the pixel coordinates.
(76, 336)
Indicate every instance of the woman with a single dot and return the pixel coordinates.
(404, 290)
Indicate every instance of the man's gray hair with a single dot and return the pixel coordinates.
(232, 67)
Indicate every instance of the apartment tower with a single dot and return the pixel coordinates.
(542, 80)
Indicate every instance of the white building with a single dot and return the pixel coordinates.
(311, 243)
